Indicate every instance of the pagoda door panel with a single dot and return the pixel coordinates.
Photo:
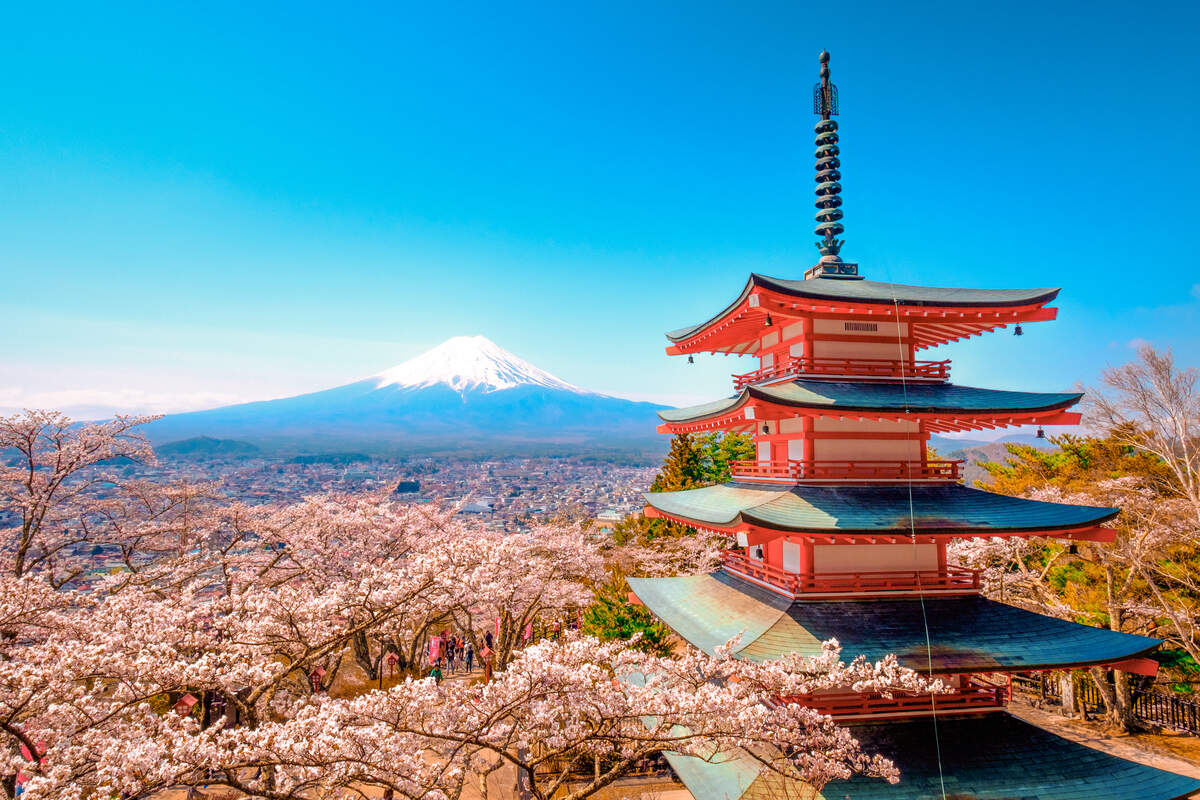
(795, 449)
(768, 360)
(791, 556)
(764, 451)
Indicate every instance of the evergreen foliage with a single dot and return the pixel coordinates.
(692, 462)
(1130, 585)
(612, 616)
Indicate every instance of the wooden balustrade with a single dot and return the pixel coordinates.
(738, 562)
(846, 367)
(958, 580)
(847, 470)
(977, 694)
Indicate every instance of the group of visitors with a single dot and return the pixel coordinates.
(450, 653)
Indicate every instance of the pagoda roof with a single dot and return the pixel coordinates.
(992, 757)
(823, 291)
(922, 509)
(965, 634)
(876, 396)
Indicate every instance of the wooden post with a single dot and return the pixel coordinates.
(1067, 686)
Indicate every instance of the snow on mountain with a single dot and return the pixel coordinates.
(467, 363)
(464, 396)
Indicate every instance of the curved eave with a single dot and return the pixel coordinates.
(944, 311)
(758, 403)
(891, 294)
(761, 531)
(864, 512)
(965, 634)
(717, 408)
(776, 396)
(985, 756)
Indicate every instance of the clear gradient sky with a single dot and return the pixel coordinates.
(207, 203)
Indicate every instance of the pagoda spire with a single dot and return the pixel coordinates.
(825, 103)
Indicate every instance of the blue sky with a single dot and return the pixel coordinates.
(211, 202)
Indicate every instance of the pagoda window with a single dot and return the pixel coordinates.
(755, 552)
(857, 327)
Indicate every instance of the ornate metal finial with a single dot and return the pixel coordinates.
(825, 103)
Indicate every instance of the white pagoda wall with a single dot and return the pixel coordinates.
(884, 350)
(867, 450)
(874, 557)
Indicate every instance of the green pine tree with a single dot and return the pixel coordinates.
(612, 616)
(683, 467)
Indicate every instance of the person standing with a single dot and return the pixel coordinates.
(469, 655)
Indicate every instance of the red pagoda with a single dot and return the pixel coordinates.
(839, 527)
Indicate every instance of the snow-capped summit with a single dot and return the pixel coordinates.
(466, 396)
(466, 363)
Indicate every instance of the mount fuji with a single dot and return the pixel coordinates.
(465, 395)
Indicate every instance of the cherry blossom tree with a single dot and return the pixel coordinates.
(545, 574)
(229, 650)
(567, 718)
(48, 475)
(1152, 406)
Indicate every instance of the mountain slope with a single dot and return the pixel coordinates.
(465, 394)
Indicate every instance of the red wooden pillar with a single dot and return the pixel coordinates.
(773, 550)
(806, 557)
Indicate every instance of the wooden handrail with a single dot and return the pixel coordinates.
(946, 470)
(855, 367)
(977, 694)
(950, 579)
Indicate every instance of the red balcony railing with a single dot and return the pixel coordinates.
(847, 470)
(976, 694)
(960, 580)
(848, 367)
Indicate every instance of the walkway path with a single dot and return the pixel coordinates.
(1175, 752)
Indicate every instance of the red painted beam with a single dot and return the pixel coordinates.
(1138, 666)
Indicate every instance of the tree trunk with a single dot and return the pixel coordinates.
(1116, 693)
(524, 776)
(362, 656)
(1118, 699)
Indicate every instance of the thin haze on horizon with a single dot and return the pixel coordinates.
(208, 205)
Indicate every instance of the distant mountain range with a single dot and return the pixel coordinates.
(973, 451)
(206, 446)
(466, 394)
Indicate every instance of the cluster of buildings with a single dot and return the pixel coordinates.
(498, 492)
